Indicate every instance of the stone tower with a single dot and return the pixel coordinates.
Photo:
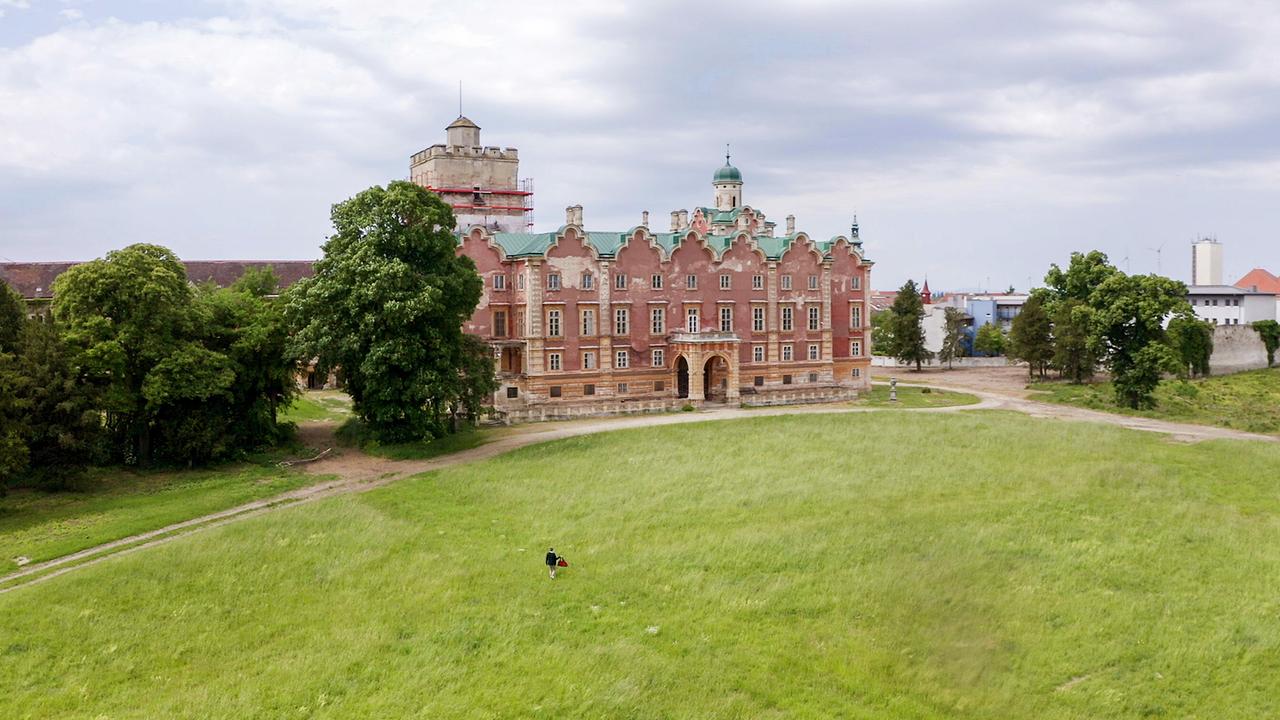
(482, 184)
(728, 184)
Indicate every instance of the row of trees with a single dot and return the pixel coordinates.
(139, 366)
(1139, 327)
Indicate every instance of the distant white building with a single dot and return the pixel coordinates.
(1227, 305)
(1206, 262)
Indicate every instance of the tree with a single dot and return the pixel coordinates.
(1031, 338)
(1073, 344)
(1192, 340)
(63, 425)
(906, 328)
(881, 333)
(1270, 332)
(1129, 324)
(13, 447)
(1084, 273)
(386, 307)
(990, 340)
(954, 322)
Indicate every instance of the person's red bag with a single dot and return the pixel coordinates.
(562, 563)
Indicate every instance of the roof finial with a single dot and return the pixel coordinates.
(459, 98)
(726, 154)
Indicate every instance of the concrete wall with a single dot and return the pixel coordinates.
(1236, 348)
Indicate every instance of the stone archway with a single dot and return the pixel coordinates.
(682, 377)
(715, 379)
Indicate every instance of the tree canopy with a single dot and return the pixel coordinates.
(1031, 337)
(386, 307)
(904, 327)
(990, 340)
(953, 335)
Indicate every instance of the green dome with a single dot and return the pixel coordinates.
(728, 173)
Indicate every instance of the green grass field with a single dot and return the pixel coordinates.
(42, 526)
(914, 397)
(353, 433)
(1247, 401)
(778, 567)
(332, 405)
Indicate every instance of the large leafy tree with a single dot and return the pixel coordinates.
(386, 307)
(1129, 322)
(1031, 337)
(13, 429)
(129, 320)
(1083, 275)
(1074, 354)
(953, 335)
(906, 328)
(1192, 340)
(990, 340)
(63, 424)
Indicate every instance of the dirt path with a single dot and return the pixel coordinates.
(358, 472)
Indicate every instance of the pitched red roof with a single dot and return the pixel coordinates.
(35, 279)
(1260, 280)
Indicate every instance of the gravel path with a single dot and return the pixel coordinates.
(997, 389)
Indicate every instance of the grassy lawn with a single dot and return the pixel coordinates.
(354, 434)
(332, 405)
(42, 526)
(1245, 401)
(914, 397)
(777, 567)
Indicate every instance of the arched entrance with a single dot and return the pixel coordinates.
(682, 377)
(715, 379)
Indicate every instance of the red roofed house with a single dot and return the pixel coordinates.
(1259, 280)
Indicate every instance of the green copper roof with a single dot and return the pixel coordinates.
(607, 244)
(728, 173)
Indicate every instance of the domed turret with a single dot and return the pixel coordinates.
(728, 184)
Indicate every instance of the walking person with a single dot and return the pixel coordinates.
(552, 561)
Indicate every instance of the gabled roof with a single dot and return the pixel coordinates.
(1260, 280)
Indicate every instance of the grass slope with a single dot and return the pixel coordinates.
(914, 397)
(333, 405)
(42, 526)
(801, 567)
(1247, 401)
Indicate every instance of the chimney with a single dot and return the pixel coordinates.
(573, 215)
(684, 219)
(644, 219)
(791, 224)
(675, 220)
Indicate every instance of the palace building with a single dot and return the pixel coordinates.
(719, 307)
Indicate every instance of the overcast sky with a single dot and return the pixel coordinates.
(976, 141)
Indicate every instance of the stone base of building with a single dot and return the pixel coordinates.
(798, 396)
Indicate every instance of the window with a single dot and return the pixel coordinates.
(857, 372)
(855, 317)
(724, 282)
(520, 281)
(813, 377)
(657, 357)
(786, 353)
(786, 379)
(553, 361)
(813, 352)
(757, 319)
(855, 348)
(813, 282)
(513, 392)
(620, 321)
(787, 320)
(757, 353)
(655, 282)
(758, 381)
(587, 281)
(520, 324)
(553, 323)
(623, 388)
(588, 321)
(691, 282)
(659, 386)
(726, 319)
(555, 391)
(813, 318)
(757, 282)
(553, 281)
(657, 321)
(499, 323)
(589, 389)
(691, 320)
(499, 282)
(855, 282)
(620, 281)
(588, 360)
(786, 282)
